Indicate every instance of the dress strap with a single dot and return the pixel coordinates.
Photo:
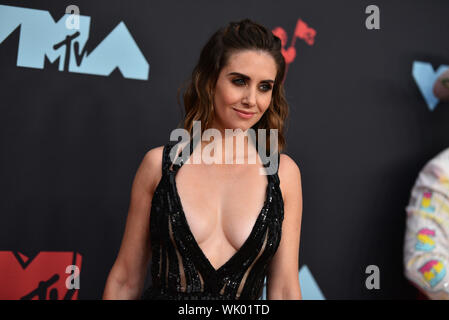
(276, 176)
(179, 159)
(166, 162)
(273, 175)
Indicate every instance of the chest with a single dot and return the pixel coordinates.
(221, 203)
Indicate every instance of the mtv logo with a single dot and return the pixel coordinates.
(42, 277)
(41, 36)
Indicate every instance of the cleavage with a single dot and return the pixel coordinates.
(221, 204)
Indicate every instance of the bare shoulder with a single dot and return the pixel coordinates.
(288, 169)
(154, 156)
(289, 176)
(151, 166)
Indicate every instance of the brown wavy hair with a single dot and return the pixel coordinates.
(199, 94)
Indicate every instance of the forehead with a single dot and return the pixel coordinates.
(255, 64)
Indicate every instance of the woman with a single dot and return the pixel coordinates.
(213, 231)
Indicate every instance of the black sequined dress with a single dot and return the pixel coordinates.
(179, 268)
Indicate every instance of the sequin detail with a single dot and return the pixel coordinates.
(179, 268)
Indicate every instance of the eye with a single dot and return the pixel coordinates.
(236, 81)
(267, 87)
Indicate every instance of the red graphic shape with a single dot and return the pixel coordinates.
(302, 31)
(40, 278)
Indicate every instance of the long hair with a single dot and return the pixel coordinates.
(198, 96)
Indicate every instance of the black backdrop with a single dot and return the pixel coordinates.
(359, 130)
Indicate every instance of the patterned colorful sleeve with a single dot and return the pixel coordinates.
(426, 243)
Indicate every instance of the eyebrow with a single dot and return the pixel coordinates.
(247, 77)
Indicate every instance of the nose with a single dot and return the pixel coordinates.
(250, 98)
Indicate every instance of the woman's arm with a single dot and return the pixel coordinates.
(127, 276)
(283, 277)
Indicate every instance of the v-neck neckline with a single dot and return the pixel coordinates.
(185, 223)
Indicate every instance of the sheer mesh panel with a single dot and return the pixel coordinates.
(160, 264)
(166, 268)
(181, 266)
(242, 284)
(202, 281)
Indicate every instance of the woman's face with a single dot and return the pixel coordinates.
(245, 84)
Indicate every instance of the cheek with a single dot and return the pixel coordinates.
(227, 95)
(264, 102)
